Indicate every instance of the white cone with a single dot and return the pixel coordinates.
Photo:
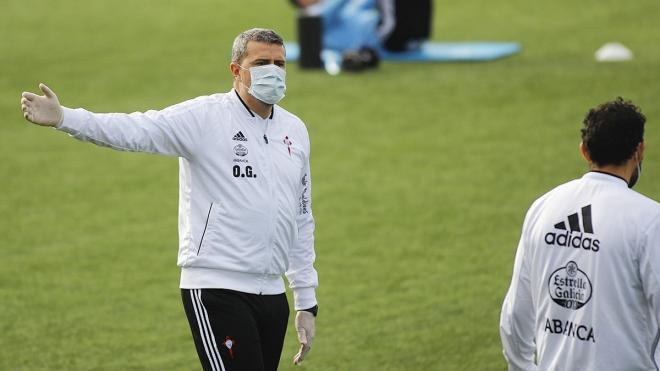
(613, 52)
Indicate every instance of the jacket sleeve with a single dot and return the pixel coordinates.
(649, 267)
(517, 319)
(171, 131)
(301, 274)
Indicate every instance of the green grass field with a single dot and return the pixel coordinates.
(423, 173)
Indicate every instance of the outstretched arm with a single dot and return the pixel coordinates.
(173, 131)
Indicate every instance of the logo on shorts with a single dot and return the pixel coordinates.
(229, 344)
(240, 150)
(570, 287)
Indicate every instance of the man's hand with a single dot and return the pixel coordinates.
(42, 110)
(305, 327)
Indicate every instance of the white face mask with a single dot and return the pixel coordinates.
(267, 83)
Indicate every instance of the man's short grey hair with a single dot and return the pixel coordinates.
(263, 35)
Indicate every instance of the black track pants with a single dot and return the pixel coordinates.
(235, 331)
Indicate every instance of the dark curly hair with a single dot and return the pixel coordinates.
(612, 132)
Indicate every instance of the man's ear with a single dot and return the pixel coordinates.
(641, 147)
(585, 153)
(234, 69)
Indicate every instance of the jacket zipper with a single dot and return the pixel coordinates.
(266, 131)
(271, 212)
(205, 226)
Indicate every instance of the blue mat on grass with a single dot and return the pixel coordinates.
(438, 52)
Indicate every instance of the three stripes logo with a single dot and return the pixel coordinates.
(239, 137)
(572, 235)
(574, 221)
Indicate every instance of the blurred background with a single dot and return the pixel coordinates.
(422, 175)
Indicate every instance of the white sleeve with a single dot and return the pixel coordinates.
(518, 314)
(649, 267)
(301, 274)
(171, 131)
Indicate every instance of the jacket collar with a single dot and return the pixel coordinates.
(607, 177)
(272, 111)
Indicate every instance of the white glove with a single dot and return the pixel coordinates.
(42, 110)
(305, 327)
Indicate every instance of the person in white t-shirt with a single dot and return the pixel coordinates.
(585, 291)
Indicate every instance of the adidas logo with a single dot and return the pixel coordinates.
(574, 235)
(574, 221)
(240, 137)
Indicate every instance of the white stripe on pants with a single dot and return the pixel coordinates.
(206, 333)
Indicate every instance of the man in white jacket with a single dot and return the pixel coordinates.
(245, 214)
(585, 291)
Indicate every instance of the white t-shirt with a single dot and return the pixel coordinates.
(585, 291)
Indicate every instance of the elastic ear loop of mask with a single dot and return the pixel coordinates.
(240, 80)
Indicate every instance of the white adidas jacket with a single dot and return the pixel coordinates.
(585, 291)
(245, 214)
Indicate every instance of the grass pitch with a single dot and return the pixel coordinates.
(422, 175)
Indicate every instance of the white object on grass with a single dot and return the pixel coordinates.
(613, 52)
(331, 61)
